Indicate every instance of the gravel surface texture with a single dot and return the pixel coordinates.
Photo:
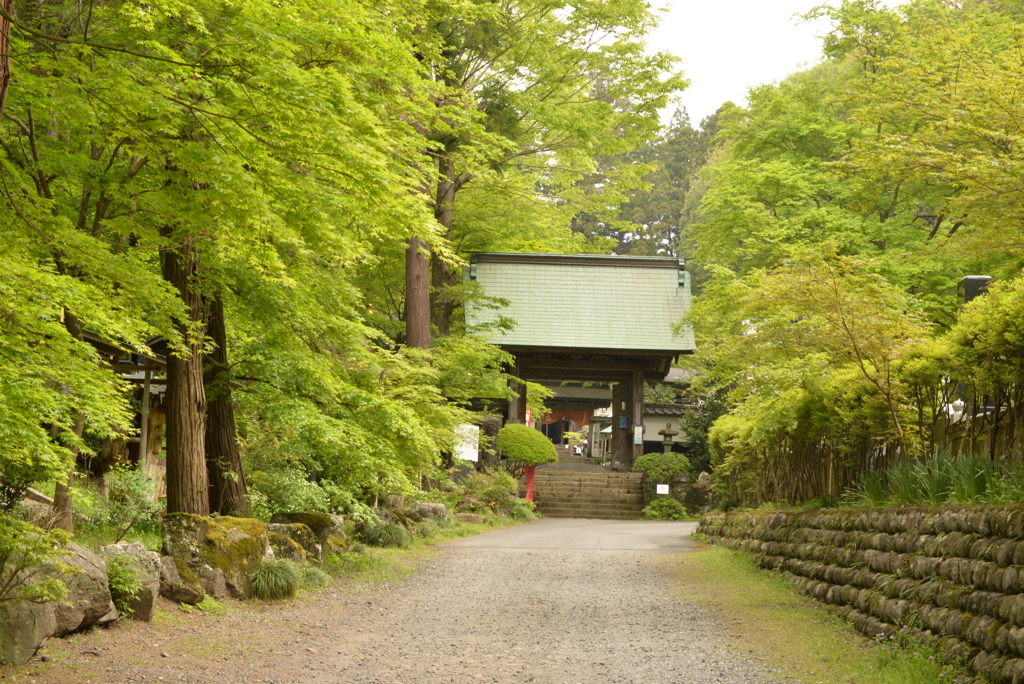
(555, 601)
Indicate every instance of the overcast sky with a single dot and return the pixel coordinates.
(729, 45)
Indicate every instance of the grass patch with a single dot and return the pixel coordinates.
(212, 606)
(788, 632)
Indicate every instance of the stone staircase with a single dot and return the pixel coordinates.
(591, 493)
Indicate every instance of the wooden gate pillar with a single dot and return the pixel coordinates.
(636, 418)
(621, 437)
(517, 404)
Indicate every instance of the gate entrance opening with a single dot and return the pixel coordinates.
(618, 324)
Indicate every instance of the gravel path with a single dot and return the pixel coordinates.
(556, 601)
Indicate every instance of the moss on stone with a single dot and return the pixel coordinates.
(319, 523)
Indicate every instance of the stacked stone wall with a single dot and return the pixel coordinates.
(953, 575)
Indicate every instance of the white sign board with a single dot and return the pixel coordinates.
(662, 489)
(467, 442)
(638, 434)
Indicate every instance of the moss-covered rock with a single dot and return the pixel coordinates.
(213, 547)
(322, 525)
(284, 545)
(179, 583)
(336, 543)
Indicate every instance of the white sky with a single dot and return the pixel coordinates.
(729, 45)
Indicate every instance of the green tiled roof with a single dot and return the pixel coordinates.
(585, 301)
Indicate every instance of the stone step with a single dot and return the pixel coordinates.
(590, 481)
(597, 505)
(621, 514)
(587, 475)
(588, 501)
(592, 489)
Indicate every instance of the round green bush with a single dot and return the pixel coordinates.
(274, 579)
(662, 467)
(387, 535)
(522, 443)
(665, 508)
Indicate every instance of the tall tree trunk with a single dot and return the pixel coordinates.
(5, 50)
(187, 489)
(417, 294)
(63, 504)
(228, 495)
(441, 273)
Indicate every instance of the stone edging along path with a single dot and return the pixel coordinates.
(949, 574)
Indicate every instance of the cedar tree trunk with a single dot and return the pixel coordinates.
(417, 294)
(63, 504)
(228, 495)
(187, 489)
(5, 50)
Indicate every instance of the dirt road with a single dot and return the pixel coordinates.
(555, 601)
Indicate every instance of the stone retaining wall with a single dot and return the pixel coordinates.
(952, 574)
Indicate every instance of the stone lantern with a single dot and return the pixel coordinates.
(668, 433)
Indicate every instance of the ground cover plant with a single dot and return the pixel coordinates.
(939, 479)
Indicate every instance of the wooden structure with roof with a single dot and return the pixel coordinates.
(588, 318)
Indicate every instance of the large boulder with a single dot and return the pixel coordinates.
(425, 511)
(88, 600)
(284, 546)
(225, 548)
(328, 529)
(24, 627)
(301, 535)
(179, 583)
(146, 565)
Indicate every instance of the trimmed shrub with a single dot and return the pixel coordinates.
(662, 467)
(665, 508)
(523, 444)
(273, 580)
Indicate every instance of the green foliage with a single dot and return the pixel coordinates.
(212, 606)
(523, 444)
(129, 499)
(24, 549)
(523, 510)
(123, 580)
(941, 478)
(385, 535)
(285, 491)
(314, 577)
(662, 467)
(273, 580)
(664, 508)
